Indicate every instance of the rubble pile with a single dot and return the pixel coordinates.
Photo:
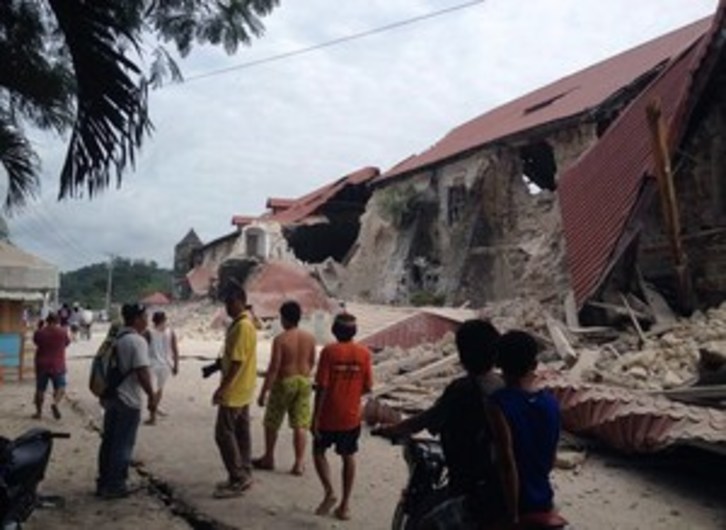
(517, 313)
(664, 361)
(409, 380)
(198, 320)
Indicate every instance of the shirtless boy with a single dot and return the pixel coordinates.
(288, 382)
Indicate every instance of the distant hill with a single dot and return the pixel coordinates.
(132, 280)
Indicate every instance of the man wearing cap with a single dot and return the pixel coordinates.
(122, 411)
(234, 395)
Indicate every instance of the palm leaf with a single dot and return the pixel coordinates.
(111, 117)
(21, 164)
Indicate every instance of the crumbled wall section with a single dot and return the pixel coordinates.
(469, 231)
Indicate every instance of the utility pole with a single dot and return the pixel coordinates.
(109, 285)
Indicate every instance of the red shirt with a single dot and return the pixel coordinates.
(345, 373)
(50, 355)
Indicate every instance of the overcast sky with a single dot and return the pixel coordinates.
(223, 144)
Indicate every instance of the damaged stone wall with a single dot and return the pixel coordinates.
(468, 231)
(700, 179)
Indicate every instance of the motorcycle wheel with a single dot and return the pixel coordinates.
(401, 520)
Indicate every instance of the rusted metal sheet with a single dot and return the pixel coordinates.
(634, 421)
(200, 279)
(420, 328)
(298, 210)
(277, 282)
(597, 195)
(571, 96)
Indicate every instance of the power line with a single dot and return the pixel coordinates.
(334, 42)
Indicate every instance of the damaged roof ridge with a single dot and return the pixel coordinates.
(509, 118)
(305, 205)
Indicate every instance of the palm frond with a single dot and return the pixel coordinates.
(111, 117)
(226, 22)
(37, 82)
(21, 164)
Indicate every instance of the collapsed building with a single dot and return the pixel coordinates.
(518, 201)
(309, 238)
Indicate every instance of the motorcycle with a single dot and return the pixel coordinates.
(427, 489)
(23, 462)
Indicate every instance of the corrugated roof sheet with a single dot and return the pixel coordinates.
(632, 421)
(276, 282)
(308, 205)
(598, 193)
(571, 96)
(156, 298)
(421, 328)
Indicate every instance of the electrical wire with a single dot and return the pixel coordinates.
(333, 42)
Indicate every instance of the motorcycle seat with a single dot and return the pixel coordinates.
(549, 519)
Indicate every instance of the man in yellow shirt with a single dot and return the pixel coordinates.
(234, 395)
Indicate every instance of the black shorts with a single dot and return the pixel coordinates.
(346, 442)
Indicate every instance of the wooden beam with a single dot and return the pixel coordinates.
(429, 369)
(669, 202)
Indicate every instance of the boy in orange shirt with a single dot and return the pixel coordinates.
(344, 374)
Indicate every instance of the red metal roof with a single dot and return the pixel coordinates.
(420, 328)
(156, 298)
(277, 282)
(598, 193)
(275, 203)
(297, 210)
(633, 421)
(571, 96)
(243, 220)
(200, 279)
(309, 204)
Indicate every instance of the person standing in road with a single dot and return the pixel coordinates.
(164, 357)
(233, 397)
(122, 410)
(344, 374)
(50, 364)
(289, 386)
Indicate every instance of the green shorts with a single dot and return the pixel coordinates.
(290, 396)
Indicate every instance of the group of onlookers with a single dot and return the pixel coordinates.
(499, 433)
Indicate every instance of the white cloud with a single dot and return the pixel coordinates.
(224, 144)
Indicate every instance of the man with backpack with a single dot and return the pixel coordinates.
(127, 377)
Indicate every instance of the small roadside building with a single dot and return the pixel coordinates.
(24, 279)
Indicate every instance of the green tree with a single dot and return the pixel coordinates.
(132, 280)
(74, 66)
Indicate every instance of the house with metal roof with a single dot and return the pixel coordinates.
(479, 215)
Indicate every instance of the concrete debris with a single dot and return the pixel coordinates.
(666, 361)
(569, 460)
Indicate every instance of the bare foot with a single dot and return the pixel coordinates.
(150, 422)
(263, 463)
(342, 513)
(298, 470)
(37, 416)
(325, 506)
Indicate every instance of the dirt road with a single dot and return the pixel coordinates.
(180, 455)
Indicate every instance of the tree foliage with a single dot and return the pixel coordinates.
(132, 281)
(85, 67)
